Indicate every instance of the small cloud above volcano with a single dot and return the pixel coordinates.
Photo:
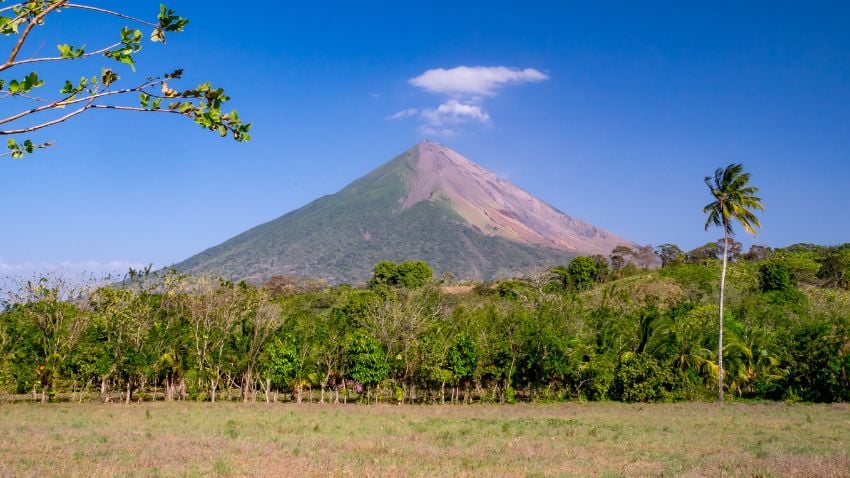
(465, 87)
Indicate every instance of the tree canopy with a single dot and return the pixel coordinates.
(645, 337)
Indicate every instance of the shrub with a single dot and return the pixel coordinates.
(775, 276)
(596, 378)
(641, 378)
(582, 272)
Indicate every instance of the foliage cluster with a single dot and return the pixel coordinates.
(648, 337)
(33, 103)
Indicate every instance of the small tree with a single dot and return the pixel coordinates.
(775, 276)
(757, 253)
(461, 361)
(733, 248)
(620, 255)
(645, 256)
(835, 266)
(366, 361)
(49, 308)
(703, 254)
(669, 254)
(409, 274)
(280, 366)
(413, 274)
(601, 267)
(582, 272)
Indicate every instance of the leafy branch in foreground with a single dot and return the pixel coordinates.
(202, 104)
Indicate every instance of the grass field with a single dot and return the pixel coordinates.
(572, 439)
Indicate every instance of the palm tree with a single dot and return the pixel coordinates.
(734, 200)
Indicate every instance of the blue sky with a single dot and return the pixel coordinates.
(631, 105)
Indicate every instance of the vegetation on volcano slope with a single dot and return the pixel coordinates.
(632, 335)
(341, 236)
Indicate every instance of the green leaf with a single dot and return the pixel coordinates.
(70, 52)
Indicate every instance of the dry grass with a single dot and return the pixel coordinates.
(573, 439)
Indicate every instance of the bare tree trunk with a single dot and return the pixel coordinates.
(720, 328)
(443, 392)
(84, 392)
(129, 391)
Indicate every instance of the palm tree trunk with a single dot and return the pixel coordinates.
(720, 328)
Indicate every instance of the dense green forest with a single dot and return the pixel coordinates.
(599, 328)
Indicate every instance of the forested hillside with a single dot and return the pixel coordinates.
(595, 329)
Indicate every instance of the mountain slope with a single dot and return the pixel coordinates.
(428, 203)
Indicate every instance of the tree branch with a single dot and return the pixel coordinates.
(35, 21)
(110, 12)
(56, 121)
(136, 108)
(57, 58)
(10, 7)
(68, 101)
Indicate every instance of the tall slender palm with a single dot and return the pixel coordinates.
(734, 200)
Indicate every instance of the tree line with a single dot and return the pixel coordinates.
(582, 331)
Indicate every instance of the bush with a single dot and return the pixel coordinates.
(596, 378)
(409, 274)
(775, 276)
(641, 378)
(582, 272)
(819, 363)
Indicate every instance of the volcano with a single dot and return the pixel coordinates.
(428, 203)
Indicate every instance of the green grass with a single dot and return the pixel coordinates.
(572, 439)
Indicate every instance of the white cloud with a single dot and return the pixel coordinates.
(465, 89)
(475, 80)
(404, 114)
(7, 268)
(455, 112)
(25, 269)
